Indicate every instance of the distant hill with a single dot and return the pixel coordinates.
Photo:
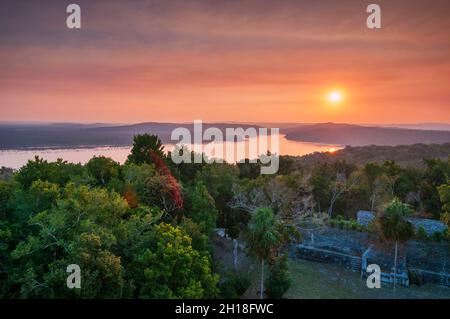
(71, 135)
(404, 155)
(356, 135)
(422, 126)
(67, 135)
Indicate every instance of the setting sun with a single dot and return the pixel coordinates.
(335, 96)
(144, 144)
(332, 150)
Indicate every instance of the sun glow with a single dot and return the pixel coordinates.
(332, 150)
(335, 97)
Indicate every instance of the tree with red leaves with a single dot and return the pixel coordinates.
(171, 184)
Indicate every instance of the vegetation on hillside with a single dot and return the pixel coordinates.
(144, 229)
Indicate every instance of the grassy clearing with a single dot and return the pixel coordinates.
(311, 280)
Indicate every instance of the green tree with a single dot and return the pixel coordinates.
(436, 174)
(341, 185)
(103, 169)
(159, 191)
(278, 281)
(321, 181)
(199, 239)
(219, 179)
(6, 190)
(101, 270)
(392, 226)
(143, 145)
(202, 208)
(262, 238)
(380, 192)
(372, 172)
(234, 284)
(79, 226)
(186, 172)
(59, 172)
(6, 173)
(444, 193)
(168, 266)
(39, 169)
(249, 170)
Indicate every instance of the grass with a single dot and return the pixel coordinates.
(311, 280)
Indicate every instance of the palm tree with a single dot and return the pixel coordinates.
(393, 227)
(262, 237)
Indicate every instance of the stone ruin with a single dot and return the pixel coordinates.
(418, 262)
(430, 226)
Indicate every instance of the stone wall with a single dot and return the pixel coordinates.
(430, 256)
(420, 276)
(430, 261)
(321, 255)
(335, 239)
(430, 226)
(364, 217)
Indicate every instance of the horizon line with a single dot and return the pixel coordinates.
(218, 122)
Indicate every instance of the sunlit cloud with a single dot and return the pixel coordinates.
(230, 60)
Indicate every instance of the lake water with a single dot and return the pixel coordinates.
(17, 158)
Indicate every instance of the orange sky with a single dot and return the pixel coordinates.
(256, 61)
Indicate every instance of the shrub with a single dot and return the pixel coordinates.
(421, 233)
(437, 236)
(278, 281)
(234, 284)
(415, 277)
(372, 228)
(345, 224)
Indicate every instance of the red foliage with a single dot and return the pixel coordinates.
(131, 197)
(172, 183)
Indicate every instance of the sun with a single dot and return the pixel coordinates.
(335, 97)
(332, 150)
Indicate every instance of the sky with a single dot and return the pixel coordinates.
(246, 61)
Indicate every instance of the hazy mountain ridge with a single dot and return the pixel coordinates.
(422, 126)
(26, 136)
(404, 155)
(72, 135)
(356, 135)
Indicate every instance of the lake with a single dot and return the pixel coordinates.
(17, 158)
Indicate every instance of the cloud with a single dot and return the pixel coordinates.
(243, 52)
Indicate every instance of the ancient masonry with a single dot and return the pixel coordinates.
(418, 262)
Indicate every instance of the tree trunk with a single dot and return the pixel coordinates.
(261, 292)
(235, 252)
(395, 266)
(330, 210)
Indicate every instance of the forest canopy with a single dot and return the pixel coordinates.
(144, 229)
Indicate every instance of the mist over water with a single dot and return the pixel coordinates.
(17, 158)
